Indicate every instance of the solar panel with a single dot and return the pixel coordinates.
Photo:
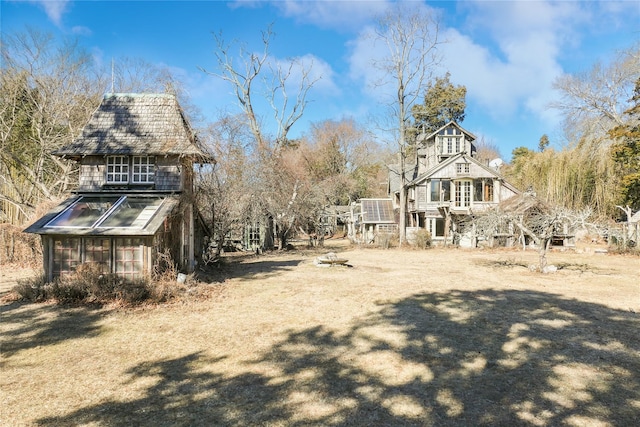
(377, 211)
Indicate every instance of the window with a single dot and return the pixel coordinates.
(436, 227)
(440, 190)
(97, 251)
(66, 256)
(129, 259)
(462, 168)
(463, 193)
(483, 190)
(253, 236)
(387, 228)
(143, 169)
(117, 169)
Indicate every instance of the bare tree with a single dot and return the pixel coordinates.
(341, 159)
(225, 192)
(410, 36)
(247, 72)
(49, 88)
(536, 221)
(593, 102)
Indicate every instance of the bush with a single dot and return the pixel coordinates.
(67, 291)
(422, 239)
(32, 289)
(88, 284)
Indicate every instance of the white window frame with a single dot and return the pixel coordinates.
(117, 170)
(143, 169)
(462, 168)
(463, 191)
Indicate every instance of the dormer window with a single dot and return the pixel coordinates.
(135, 169)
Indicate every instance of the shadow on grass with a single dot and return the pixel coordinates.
(247, 267)
(506, 358)
(27, 325)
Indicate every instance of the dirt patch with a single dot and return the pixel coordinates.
(403, 337)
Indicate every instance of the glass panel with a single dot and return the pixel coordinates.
(83, 213)
(446, 191)
(97, 251)
(488, 190)
(129, 257)
(435, 190)
(133, 212)
(143, 169)
(66, 256)
(477, 196)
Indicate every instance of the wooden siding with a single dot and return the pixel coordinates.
(168, 174)
(92, 173)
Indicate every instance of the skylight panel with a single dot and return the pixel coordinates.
(85, 212)
(133, 212)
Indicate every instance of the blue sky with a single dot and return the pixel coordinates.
(507, 53)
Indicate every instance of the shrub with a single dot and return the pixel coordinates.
(32, 289)
(88, 284)
(67, 291)
(422, 239)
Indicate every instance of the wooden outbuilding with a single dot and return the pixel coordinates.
(134, 203)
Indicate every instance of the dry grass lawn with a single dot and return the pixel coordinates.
(441, 337)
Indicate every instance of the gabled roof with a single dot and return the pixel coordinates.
(453, 159)
(377, 211)
(136, 124)
(395, 178)
(434, 133)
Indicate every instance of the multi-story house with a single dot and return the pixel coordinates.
(447, 184)
(134, 199)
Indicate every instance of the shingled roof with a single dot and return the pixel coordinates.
(136, 124)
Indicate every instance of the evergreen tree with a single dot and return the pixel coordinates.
(443, 102)
(626, 153)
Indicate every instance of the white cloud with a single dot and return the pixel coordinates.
(510, 53)
(53, 8)
(337, 15)
(319, 71)
(81, 30)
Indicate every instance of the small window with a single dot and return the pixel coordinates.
(117, 170)
(462, 168)
(143, 169)
(387, 228)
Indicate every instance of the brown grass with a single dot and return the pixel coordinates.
(402, 337)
